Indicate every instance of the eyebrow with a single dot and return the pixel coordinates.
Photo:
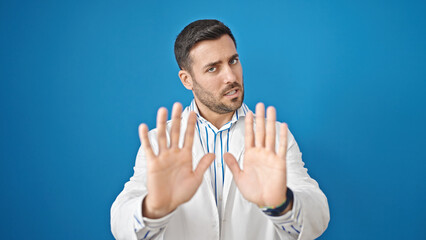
(217, 62)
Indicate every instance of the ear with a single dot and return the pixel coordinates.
(186, 79)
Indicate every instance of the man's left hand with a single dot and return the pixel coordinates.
(263, 177)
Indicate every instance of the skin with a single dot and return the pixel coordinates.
(216, 70)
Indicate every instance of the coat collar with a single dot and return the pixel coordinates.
(239, 113)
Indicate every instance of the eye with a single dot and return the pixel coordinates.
(212, 69)
(233, 61)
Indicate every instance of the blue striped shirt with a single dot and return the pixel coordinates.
(216, 141)
(213, 140)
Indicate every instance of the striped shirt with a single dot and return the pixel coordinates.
(216, 141)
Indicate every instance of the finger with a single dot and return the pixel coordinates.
(146, 145)
(175, 131)
(203, 165)
(189, 134)
(249, 130)
(270, 129)
(161, 129)
(282, 150)
(260, 125)
(233, 166)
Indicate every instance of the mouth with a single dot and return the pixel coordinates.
(232, 93)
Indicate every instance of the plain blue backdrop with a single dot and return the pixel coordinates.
(77, 77)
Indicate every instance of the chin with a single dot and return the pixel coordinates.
(238, 100)
(236, 103)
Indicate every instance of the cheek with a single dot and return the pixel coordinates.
(212, 84)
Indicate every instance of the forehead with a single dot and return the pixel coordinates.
(208, 51)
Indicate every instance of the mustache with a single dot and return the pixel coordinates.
(231, 86)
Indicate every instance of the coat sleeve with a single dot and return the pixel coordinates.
(126, 211)
(310, 214)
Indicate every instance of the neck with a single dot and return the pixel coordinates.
(217, 119)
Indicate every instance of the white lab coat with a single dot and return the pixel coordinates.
(198, 218)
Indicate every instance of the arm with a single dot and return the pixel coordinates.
(270, 168)
(310, 214)
(163, 180)
(126, 211)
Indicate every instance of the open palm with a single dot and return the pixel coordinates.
(263, 177)
(171, 179)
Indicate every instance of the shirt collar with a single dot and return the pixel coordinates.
(240, 112)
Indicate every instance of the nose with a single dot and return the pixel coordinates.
(229, 76)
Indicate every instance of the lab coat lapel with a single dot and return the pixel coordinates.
(198, 152)
(236, 148)
(197, 148)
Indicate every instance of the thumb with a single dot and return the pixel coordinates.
(232, 164)
(204, 164)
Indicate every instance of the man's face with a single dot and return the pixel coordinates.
(217, 75)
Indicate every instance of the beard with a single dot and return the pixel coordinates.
(212, 101)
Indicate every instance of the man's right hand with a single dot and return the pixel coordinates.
(171, 180)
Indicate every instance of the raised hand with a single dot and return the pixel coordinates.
(263, 178)
(171, 179)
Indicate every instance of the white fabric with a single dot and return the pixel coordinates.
(234, 217)
(216, 141)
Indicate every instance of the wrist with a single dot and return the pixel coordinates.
(289, 207)
(282, 208)
(149, 211)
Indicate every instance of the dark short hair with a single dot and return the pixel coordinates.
(195, 32)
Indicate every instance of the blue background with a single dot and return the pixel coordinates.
(77, 77)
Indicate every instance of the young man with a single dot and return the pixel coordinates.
(216, 171)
